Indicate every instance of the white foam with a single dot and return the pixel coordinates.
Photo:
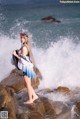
(7, 45)
(55, 96)
(59, 64)
(58, 97)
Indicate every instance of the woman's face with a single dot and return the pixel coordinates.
(24, 39)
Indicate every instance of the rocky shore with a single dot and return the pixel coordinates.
(13, 93)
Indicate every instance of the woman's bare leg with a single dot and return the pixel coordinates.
(32, 90)
(29, 88)
(34, 95)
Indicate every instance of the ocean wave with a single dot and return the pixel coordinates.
(59, 63)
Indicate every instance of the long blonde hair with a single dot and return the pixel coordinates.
(28, 43)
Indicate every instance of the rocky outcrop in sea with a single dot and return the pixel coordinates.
(50, 19)
(13, 93)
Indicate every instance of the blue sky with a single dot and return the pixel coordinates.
(25, 1)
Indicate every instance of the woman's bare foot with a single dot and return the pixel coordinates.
(35, 98)
(28, 102)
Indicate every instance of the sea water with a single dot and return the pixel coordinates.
(56, 46)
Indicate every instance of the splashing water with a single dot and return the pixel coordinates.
(59, 63)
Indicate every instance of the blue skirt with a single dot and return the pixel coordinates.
(28, 71)
(26, 67)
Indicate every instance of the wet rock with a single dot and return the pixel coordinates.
(78, 107)
(66, 114)
(15, 80)
(38, 73)
(50, 19)
(56, 109)
(7, 102)
(35, 115)
(62, 89)
(77, 110)
(49, 110)
(42, 108)
(23, 116)
(76, 117)
(33, 110)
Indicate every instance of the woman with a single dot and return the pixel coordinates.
(25, 64)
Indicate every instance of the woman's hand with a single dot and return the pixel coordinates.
(14, 53)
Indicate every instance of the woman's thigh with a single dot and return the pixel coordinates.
(27, 80)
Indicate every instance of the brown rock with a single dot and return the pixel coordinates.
(23, 116)
(56, 109)
(48, 107)
(64, 115)
(76, 117)
(50, 19)
(77, 109)
(7, 102)
(62, 89)
(35, 115)
(38, 73)
(39, 108)
(35, 110)
(15, 80)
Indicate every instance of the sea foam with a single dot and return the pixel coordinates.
(59, 63)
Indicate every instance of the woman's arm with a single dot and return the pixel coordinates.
(15, 54)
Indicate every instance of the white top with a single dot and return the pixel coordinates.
(25, 62)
